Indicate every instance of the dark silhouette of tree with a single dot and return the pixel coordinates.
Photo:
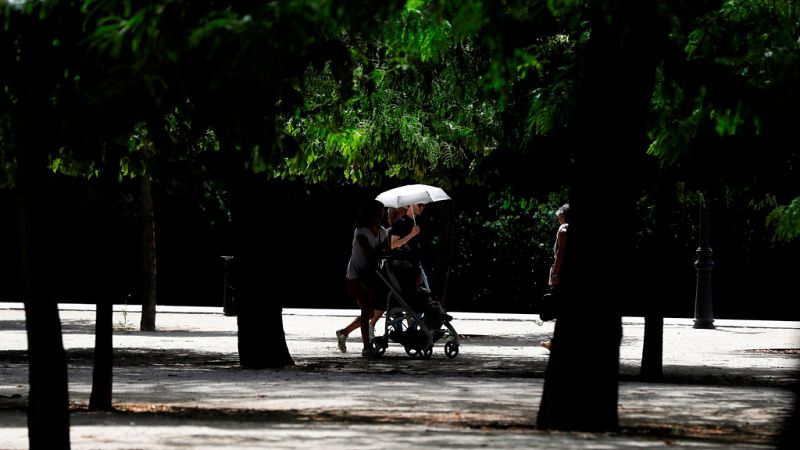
(27, 125)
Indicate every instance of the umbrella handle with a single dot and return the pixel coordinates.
(413, 217)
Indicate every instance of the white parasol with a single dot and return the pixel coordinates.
(411, 194)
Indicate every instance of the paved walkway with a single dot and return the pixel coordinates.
(181, 387)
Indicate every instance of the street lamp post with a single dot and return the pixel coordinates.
(703, 312)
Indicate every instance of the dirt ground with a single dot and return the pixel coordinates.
(181, 387)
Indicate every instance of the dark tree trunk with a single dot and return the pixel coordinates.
(653, 348)
(581, 380)
(102, 375)
(148, 322)
(262, 341)
(790, 437)
(48, 399)
(261, 338)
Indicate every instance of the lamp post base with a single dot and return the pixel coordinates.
(705, 324)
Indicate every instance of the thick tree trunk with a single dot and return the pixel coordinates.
(48, 399)
(148, 322)
(790, 437)
(261, 338)
(48, 413)
(581, 380)
(262, 341)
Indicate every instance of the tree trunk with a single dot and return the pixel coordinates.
(148, 322)
(581, 380)
(580, 391)
(102, 375)
(790, 437)
(48, 398)
(261, 338)
(653, 348)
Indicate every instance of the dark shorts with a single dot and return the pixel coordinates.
(358, 292)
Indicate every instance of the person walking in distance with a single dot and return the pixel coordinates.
(559, 247)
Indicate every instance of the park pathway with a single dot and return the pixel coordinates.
(181, 387)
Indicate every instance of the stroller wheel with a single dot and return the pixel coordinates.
(451, 349)
(412, 352)
(427, 353)
(379, 345)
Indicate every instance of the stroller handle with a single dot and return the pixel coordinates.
(398, 254)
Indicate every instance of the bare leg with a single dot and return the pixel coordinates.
(356, 323)
(364, 319)
(353, 325)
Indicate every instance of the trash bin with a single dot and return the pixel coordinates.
(228, 291)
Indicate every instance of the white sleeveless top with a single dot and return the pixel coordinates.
(359, 263)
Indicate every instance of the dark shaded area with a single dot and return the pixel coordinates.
(307, 230)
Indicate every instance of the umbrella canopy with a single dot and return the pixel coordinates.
(411, 194)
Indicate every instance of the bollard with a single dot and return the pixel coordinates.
(228, 301)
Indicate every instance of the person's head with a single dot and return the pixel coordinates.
(370, 214)
(396, 213)
(563, 213)
(416, 210)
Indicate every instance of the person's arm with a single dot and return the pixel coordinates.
(386, 242)
(398, 241)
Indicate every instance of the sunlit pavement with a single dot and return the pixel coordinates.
(181, 387)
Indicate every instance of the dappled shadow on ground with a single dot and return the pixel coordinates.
(240, 419)
(232, 417)
(396, 362)
(463, 366)
(175, 375)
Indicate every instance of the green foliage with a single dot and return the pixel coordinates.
(418, 108)
(671, 137)
(416, 36)
(738, 64)
(425, 89)
(786, 221)
(505, 250)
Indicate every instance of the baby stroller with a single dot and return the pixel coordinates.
(413, 319)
